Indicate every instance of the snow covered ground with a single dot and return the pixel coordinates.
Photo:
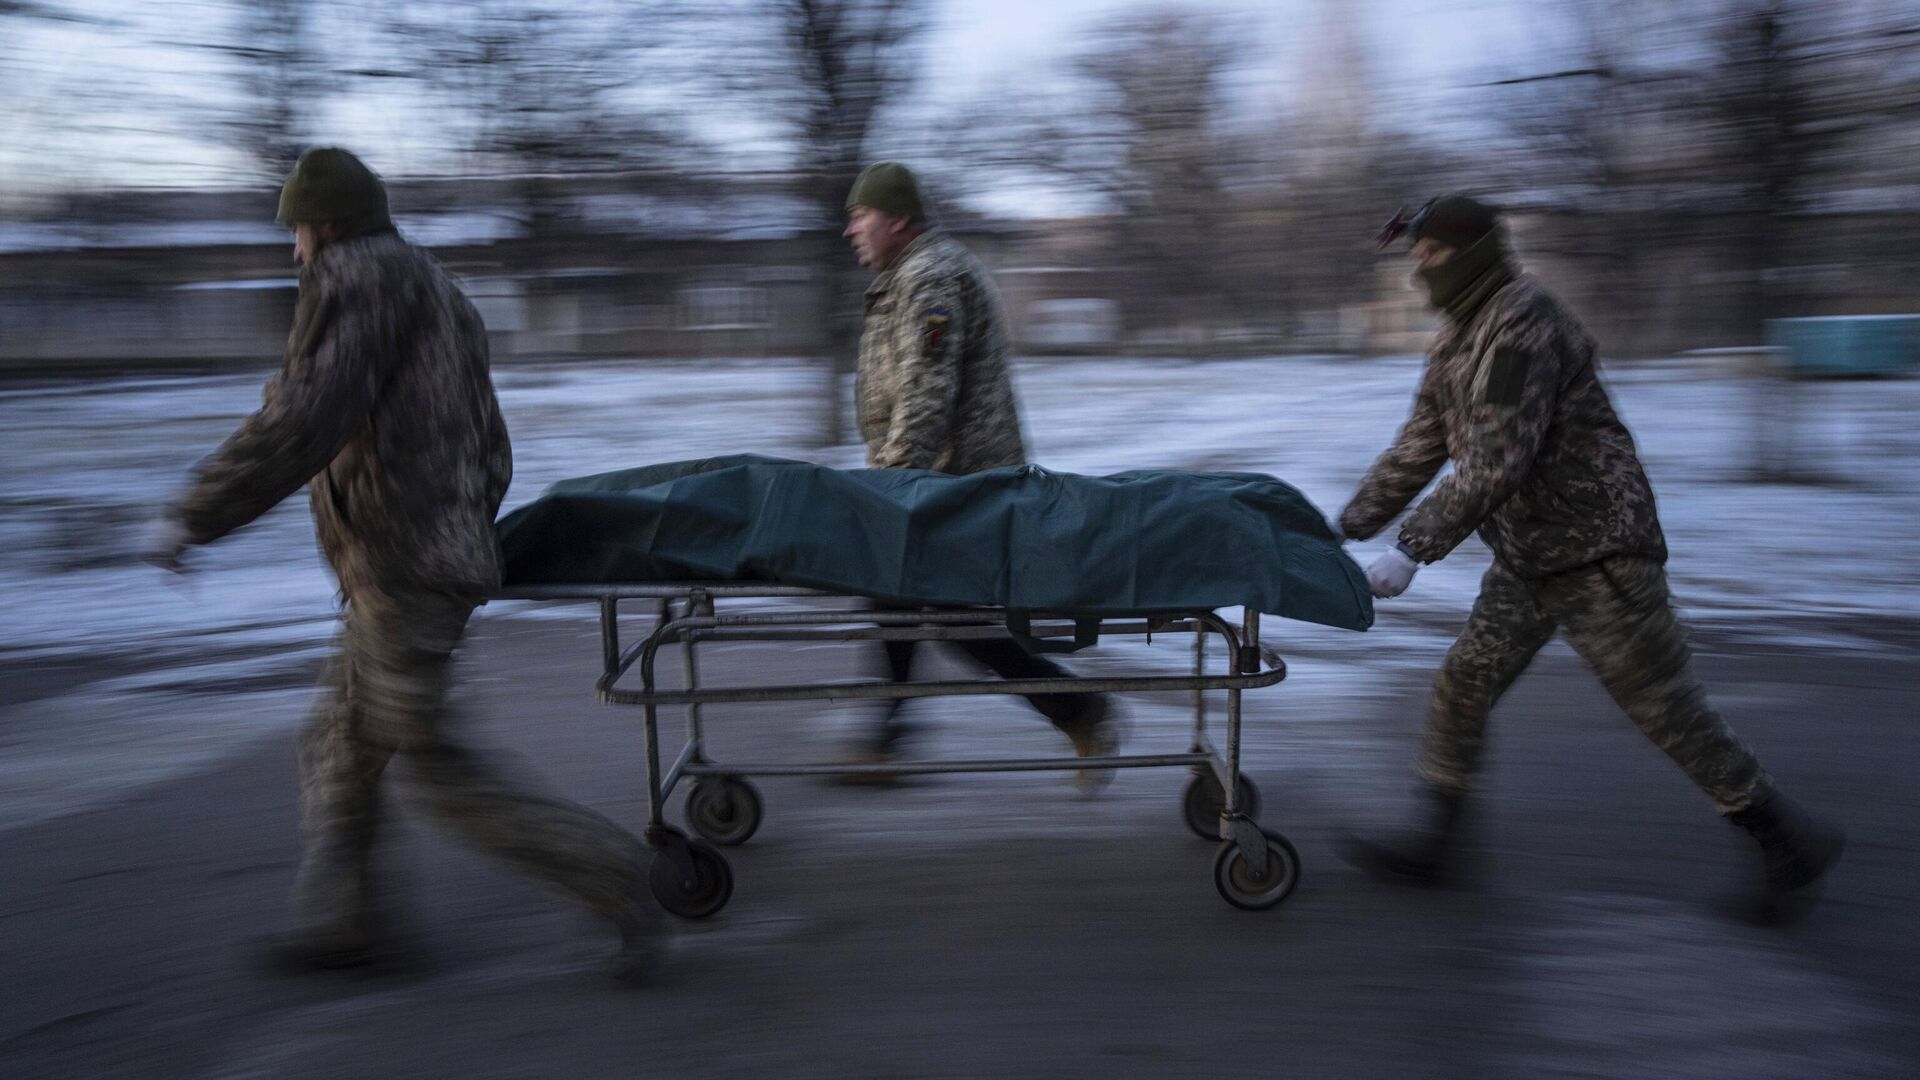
(86, 462)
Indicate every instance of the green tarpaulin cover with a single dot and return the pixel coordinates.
(1021, 537)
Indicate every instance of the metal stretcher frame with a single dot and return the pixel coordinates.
(1253, 868)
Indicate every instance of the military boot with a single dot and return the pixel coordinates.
(376, 947)
(879, 746)
(643, 952)
(1797, 849)
(1095, 731)
(645, 940)
(1422, 854)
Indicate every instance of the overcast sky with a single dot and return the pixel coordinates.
(1420, 53)
(1412, 40)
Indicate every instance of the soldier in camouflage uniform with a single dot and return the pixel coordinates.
(385, 410)
(934, 391)
(1547, 474)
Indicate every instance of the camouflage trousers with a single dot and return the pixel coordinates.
(1616, 614)
(384, 698)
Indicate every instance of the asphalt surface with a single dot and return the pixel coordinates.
(1001, 925)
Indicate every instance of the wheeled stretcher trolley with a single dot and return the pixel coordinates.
(1253, 868)
(752, 549)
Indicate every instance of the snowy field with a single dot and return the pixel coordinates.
(86, 462)
(197, 665)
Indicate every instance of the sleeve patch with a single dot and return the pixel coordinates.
(935, 329)
(1506, 377)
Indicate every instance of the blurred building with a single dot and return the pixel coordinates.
(675, 266)
(615, 266)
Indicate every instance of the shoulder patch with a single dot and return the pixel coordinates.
(935, 328)
(1506, 377)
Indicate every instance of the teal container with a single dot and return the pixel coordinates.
(1846, 346)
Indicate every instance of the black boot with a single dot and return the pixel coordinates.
(1421, 855)
(1797, 849)
(643, 948)
(879, 746)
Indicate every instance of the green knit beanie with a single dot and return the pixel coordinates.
(330, 184)
(890, 188)
(1456, 221)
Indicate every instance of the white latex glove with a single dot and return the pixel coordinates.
(1391, 573)
(162, 542)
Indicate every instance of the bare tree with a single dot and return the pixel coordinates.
(1795, 108)
(1156, 105)
(852, 57)
(279, 82)
(1130, 126)
(1214, 216)
(537, 90)
(275, 77)
(1341, 163)
(1722, 119)
(820, 75)
(1592, 134)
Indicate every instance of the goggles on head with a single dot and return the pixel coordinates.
(1402, 223)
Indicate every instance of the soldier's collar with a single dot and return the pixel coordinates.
(884, 278)
(925, 239)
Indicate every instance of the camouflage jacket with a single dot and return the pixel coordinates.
(1541, 465)
(934, 391)
(385, 409)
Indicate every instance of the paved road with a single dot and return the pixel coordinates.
(1001, 926)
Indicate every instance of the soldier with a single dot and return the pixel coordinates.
(934, 392)
(385, 410)
(1548, 475)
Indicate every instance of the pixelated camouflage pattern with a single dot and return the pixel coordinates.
(934, 390)
(1616, 614)
(384, 698)
(1542, 466)
(385, 409)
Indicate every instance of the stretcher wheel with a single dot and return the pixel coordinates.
(1205, 797)
(724, 809)
(689, 877)
(1242, 889)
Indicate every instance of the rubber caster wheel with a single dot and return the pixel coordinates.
(724, 809)
(1205, 797)
(1241, 888)
(690, 878)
